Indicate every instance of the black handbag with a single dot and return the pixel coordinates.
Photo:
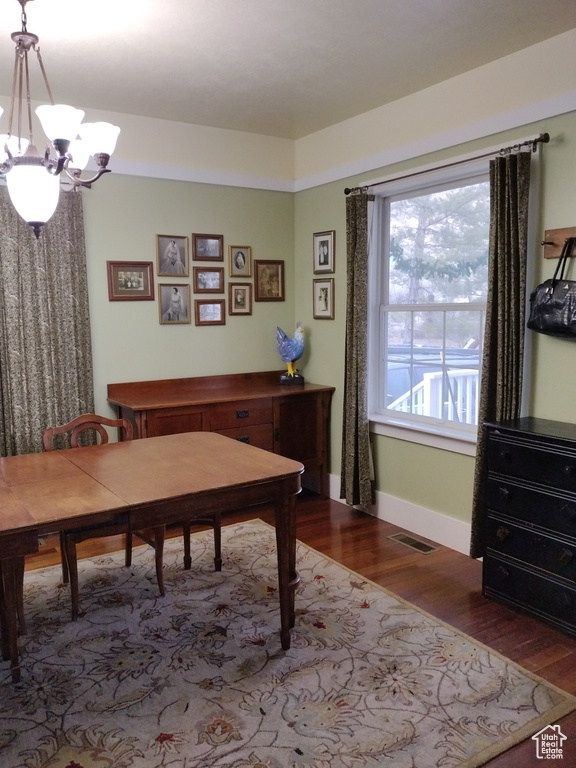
(553, 303)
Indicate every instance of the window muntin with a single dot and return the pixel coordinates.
(433, 252)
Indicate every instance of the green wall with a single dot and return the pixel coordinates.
(130, 344)
(429, 477)
(123, 215)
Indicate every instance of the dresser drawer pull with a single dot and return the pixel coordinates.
(504, 454)
(243, 439)
(502, 534)
(242, 414)
(504, 493)
(502, 572)
(568, 470)
(565, 556)
(564, 600)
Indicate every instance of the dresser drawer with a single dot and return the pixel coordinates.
(240, 413)
(535, 506)
(545, 463)
(529, 590)
(531, 547)
(259, 435)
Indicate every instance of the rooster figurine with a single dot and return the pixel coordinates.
(290, 349)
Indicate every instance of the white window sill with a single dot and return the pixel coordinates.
(426, 435)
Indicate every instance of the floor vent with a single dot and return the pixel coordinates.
(410, 541)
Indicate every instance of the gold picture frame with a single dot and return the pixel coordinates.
(174, 303)
(172, 256)
(240, 260)
(239, 298)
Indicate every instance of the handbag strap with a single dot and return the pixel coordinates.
(563, 260)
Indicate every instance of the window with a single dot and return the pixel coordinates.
(429, 261)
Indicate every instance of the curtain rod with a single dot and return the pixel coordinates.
(543, 138)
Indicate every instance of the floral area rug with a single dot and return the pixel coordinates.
(198, 679)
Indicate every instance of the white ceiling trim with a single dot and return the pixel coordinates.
(518, 118)
(201, 176)
(506, 121)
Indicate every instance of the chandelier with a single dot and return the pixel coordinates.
(33, 179)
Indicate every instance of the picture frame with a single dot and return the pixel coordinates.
(323, 250)
(239, 298)
(172, 256)
(240, 260)
(207, 247)
(323, 299)
(210, 311)
(208, 279)
(268, 281)
(130, 280)
(174, 303)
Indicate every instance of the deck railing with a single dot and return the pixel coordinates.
(447, 395)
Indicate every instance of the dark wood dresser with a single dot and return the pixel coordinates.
(291, 420)
(530, 560)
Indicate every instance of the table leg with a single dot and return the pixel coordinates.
(11, 575)
(288, 578)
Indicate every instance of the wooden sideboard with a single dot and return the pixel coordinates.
(254, 408)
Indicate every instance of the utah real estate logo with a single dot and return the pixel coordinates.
(549, 743)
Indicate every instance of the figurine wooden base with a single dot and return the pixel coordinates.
(285, 378)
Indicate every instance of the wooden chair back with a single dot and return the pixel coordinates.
(81, 423)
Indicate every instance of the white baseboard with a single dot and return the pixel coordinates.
(433, 526)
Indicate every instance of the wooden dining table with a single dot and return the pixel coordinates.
(157, 481)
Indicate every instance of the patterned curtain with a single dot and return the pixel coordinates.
(501, 387)
(45, 348)
(356, 482)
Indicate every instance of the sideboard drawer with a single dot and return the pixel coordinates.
(259, 435)
(172, 421)
(240, 413)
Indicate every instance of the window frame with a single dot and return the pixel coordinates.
(437, 434)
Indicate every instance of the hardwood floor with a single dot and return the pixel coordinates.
(444, 583)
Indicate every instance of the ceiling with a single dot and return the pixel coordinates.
(283, 68)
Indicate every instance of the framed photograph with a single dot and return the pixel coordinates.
(240, 257)
(324, 251)
(174, 304)
(208, 247)
(210, 311)
(323, 299)
(208, 279)
(130, 281)
(269, 281)
(172, 255)
(239, 298)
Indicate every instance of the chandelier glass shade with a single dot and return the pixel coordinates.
(33, 179)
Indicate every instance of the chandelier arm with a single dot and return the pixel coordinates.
(54, 168)
(78, 182)
(8, 164)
